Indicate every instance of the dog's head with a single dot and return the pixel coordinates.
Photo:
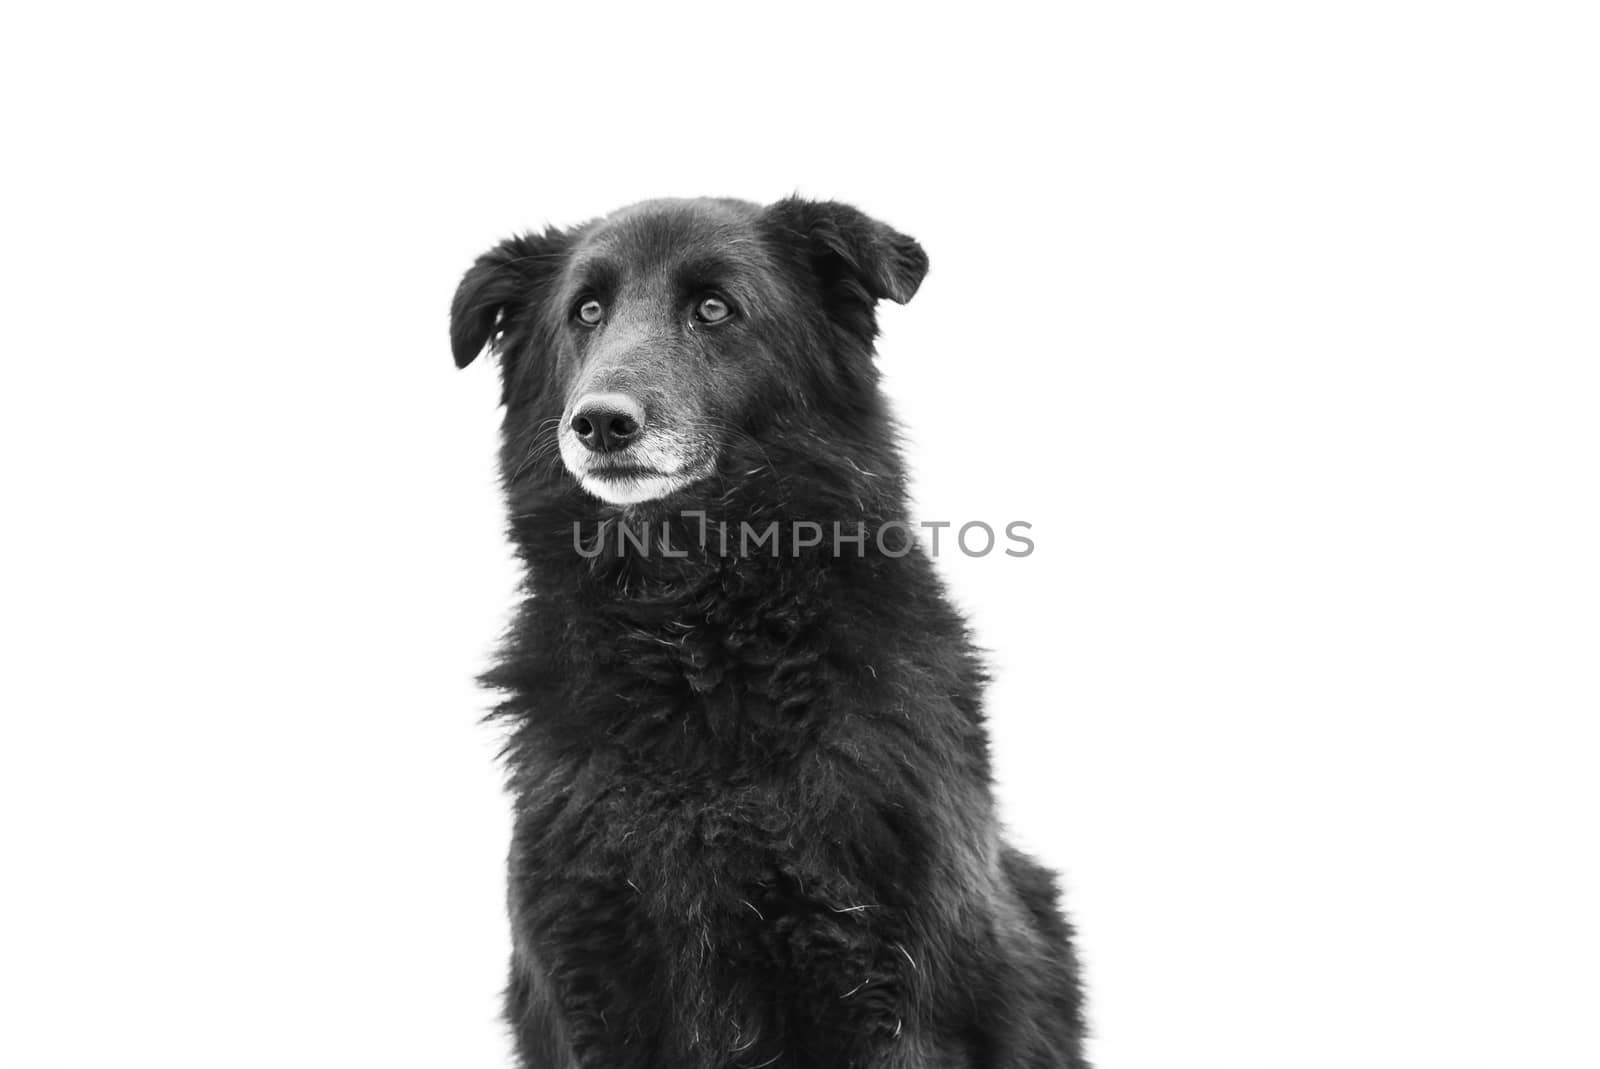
(648, 348)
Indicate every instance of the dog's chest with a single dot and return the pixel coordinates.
(690, 847)
(700, 904)
(692, 858)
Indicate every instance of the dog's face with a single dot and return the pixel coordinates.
(642, 345)
(665, 310)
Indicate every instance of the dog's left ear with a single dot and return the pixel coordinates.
(855, 256)
(500, 291)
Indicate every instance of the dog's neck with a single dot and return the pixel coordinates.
(699, 623)
(800, 511)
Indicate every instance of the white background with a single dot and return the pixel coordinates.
(1277, 321)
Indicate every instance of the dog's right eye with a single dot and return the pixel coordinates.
(590, 312)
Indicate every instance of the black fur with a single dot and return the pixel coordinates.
(754, 823)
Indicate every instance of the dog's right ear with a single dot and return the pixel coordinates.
(856, 260)
(856, 257)
(502, 290)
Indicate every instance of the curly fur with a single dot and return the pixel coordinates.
(754, 823)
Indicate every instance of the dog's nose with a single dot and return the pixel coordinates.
(607, 422)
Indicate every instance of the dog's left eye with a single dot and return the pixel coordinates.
(712, 310)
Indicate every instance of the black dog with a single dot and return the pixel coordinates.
(754, 824)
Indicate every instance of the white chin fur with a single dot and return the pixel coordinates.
(674, 473)
(631, 491)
